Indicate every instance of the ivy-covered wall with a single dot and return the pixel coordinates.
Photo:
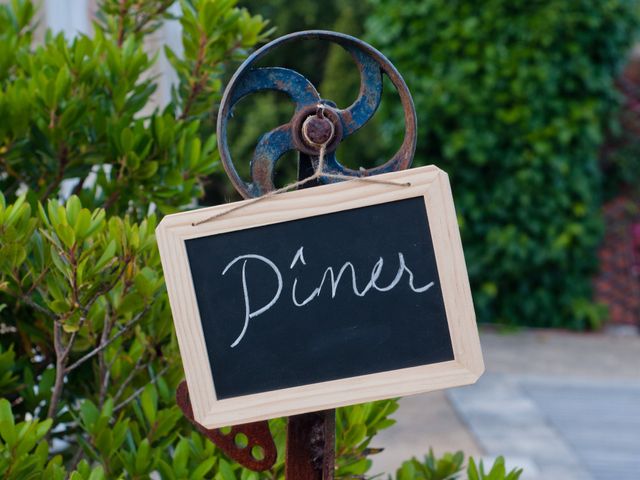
(513, 98)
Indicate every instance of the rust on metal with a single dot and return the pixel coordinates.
(329, 447)
(311, 113)
(317, 130)
(248, 79)
(255, 451)
(311, 446)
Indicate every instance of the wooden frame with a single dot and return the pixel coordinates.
(429, 182)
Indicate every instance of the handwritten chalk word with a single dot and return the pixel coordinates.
(329, 274)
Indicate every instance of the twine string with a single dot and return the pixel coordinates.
(317, 173)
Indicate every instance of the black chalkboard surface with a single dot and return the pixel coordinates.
(320, 298)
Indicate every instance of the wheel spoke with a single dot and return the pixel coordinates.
(296, 86)
(370, 94)
(270, 148)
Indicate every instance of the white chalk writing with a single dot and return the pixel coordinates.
(328, 275)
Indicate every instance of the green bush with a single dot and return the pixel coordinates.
(513, 97)
(450, 466)
(88, 358)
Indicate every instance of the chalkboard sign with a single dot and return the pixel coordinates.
(319, 298)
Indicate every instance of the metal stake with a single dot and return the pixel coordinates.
(311, 446)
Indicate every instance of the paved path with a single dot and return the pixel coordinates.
(599, 422)
(563, 406)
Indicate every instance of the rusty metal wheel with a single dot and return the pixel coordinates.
(345, 122)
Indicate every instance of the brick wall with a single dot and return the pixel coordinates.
(618, 283)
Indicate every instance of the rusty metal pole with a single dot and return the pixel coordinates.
(310, 436)
(311, 446)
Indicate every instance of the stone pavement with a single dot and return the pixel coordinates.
(563, 406)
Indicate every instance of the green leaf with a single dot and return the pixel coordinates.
(355, 434)
(60, 263)
(201, 470)
(107, 255)
(225, 472)
(82, 223)
(62, 83)
(16, 210)
(194, 153)
(143, 458)
(165, 470)
(66, 234)
(89, 414)
(42, 428)
(13, 254)
(7, 424)
(97, 221)
(70, 327)
(146, 281)
(149, 402)
(132, 302)
(126, 140)
(97, 473)
(73, 208)
(104, 441)
(472, 470)
(181, 457)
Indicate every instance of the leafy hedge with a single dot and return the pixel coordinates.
(88, 359)
(450, 467)
(513, 98)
